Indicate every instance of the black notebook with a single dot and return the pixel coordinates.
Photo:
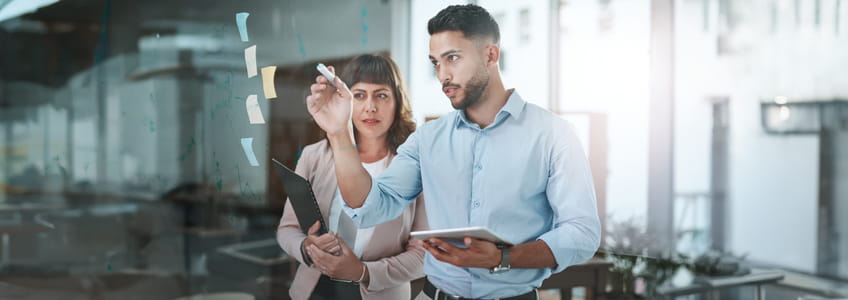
(302, 198)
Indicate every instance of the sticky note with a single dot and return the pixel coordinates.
(250, 60)
(247, 145)
(241, 22)
(268, 82)
(254, 112)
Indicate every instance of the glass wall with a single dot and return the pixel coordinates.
(136, 140)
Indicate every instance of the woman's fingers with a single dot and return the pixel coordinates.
(334, 250)
(313, 230)
(326, 242)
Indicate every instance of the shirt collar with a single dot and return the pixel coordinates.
(514, 106)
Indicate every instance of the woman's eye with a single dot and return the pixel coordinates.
(453, 57)
(382, 96)
(359, 96)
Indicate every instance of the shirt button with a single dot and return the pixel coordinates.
(476, 204)
(478, 166)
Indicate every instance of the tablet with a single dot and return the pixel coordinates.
(458, 234)
(301, 197)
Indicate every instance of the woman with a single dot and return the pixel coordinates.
(382, 261)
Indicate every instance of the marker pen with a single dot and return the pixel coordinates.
(326, 72)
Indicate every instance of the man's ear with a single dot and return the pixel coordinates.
(493, 54)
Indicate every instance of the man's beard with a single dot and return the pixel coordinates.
(473, 90)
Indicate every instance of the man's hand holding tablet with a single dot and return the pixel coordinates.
(483, 248)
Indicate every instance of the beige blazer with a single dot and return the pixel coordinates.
(392, 260)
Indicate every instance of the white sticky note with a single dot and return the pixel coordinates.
(254, 112)
(247, 145)
(250, 60)
(268, 82)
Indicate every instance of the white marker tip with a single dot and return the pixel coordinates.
(326, 72)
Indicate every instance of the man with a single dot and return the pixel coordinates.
(496, 162)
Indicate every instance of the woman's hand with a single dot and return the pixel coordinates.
(345, 266)
(327, 242)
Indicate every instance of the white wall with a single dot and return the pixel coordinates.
(604, 54)
(696, 83)
(526, 62)
(773, 199)
(773, 186)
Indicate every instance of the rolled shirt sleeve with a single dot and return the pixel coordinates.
(576, 232)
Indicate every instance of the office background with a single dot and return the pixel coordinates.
(716, 130)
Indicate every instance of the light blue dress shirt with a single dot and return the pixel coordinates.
(525, 177)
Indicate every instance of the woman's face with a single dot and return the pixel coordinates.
(373, 109)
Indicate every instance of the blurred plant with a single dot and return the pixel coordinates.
(718, 263)
(632, 251)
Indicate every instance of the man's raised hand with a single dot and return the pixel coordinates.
(330, 105)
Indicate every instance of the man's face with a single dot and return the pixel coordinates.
(460, 67)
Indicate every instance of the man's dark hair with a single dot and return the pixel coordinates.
(472, 20)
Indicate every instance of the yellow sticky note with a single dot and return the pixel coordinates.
(268, 82)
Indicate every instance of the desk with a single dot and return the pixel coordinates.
(16, 227)
(592, 274)
(711, 285)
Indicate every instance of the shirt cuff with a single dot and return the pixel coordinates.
(360, 215)
(562, 248)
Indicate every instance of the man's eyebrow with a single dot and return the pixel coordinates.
(446, 53)
(449, 52)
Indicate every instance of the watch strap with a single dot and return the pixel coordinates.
(504, 257)
(306, 259)
(504, 265)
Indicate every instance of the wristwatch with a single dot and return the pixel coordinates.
(504, 266)
(306, 258)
